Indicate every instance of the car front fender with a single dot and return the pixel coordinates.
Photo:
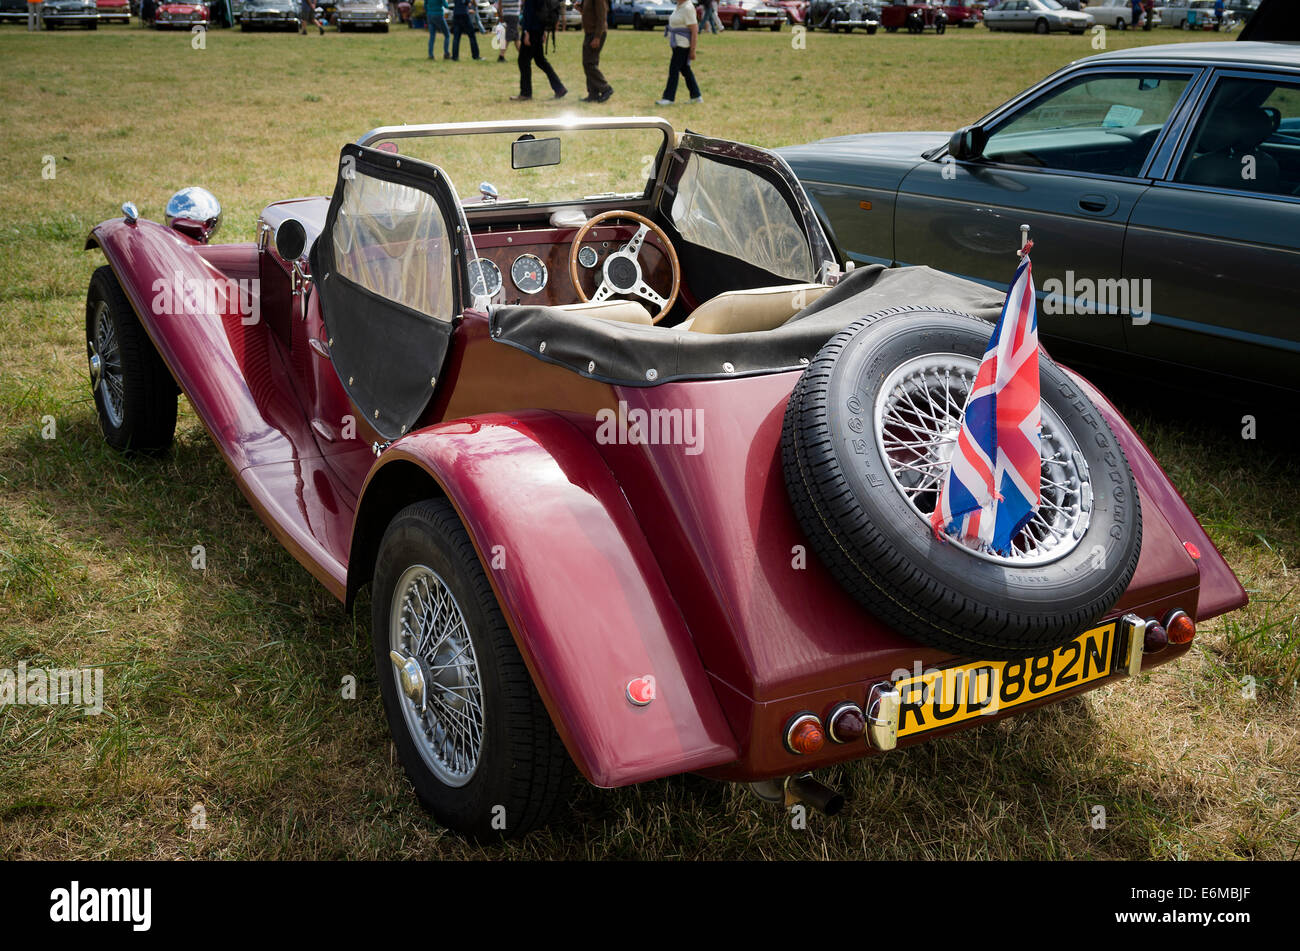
(575, 578)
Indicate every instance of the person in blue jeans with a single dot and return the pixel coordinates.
(461, 22)
(435, 11)
(682, 31)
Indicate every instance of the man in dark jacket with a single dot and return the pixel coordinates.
(595, 16)
(532, 49)
(462, 25)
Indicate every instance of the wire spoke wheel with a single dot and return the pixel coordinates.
(106, 365)
(918, 415)
(437, 675)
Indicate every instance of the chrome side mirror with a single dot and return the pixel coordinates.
(194, 212)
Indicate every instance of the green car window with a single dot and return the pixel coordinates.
(1247, 138)
(1103, 124)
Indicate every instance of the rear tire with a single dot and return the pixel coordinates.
(521, 772)
(135, 397)
(1042, 28)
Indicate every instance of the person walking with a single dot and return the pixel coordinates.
(435, 13)
(595, 20)
(711, 19)
(508, 11)
(461, 24)
(532, 49)
(309, 16)
(682, 31)
(34, 23)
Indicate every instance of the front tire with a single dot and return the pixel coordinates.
(1041, 27)
(482, 756)
(135, 397)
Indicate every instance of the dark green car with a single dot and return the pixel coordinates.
(1162, 186)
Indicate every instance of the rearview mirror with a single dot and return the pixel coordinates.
(967, 143)
(530, 152)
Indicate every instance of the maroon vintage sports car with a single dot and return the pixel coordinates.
(170, 16)
(638, 480)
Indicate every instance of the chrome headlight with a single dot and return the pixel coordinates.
(195, 212)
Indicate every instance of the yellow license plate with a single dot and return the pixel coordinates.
(934, 699)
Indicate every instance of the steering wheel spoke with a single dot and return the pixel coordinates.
(603, 292)
(643, 289)
(633, 247)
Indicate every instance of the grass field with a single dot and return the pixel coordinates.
(223, 686)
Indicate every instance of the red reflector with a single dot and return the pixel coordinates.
(804, 735)
(1157, 638)
(846, 724)
(1180, 627)
(1192, 550)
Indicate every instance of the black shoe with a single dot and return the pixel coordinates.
(604, 96)
(501, 59)
(589, 99)
(521, 98)
(562, 93)
(321, 28)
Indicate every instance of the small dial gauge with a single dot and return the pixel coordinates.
(484, 278)
(587, 256)
(528, 273)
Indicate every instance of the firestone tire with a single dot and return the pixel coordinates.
(522, 774)
(135, 396)
(849, 497)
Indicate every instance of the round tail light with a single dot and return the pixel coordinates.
(804, 734)
(1157, 638)
(1181, 628)
(846, 723)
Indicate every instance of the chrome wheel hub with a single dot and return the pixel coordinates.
(105, 358)
(436, 671)
(918, 415)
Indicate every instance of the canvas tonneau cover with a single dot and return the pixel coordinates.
(637, 355)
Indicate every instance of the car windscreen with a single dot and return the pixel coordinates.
(593, 163)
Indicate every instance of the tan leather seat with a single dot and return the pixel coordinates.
(747, 311)
(623, 311)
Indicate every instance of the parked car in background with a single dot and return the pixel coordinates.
(59, 13)
(640, 14)
(13, 11)
(1165, 179)
(1037, 16)
(572, 17)
(113, 11)
(964, 13)
(1119, 14)
(747, 15)
(270, 15)
(913, 17)
(362, 15)
(796, 11)
(846, 15)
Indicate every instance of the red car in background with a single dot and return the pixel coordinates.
(918, 17)
(110, 10)
(747, 15)
(796, 11)
(177, 15)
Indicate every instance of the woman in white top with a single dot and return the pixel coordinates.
(682, 32)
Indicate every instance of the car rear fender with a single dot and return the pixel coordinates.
(583, 595)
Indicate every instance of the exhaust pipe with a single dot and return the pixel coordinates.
(806, 789)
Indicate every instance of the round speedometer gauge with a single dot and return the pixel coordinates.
(484, 278)
(528, 273)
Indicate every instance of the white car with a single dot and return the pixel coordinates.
(1119, 14)
(1038, 16)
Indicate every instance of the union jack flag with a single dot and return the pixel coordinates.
(992, 487)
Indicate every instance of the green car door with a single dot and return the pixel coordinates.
(1070, 160)
(1219, 237)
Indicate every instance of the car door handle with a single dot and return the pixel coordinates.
(1098, 204)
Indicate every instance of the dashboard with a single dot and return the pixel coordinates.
(531, 266)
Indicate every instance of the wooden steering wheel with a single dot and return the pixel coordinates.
(621, 272)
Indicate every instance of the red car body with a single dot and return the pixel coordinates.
(180, 15)
(796, 11)
(119, 10)
(893, 16)
(747, 15)
(628, 559)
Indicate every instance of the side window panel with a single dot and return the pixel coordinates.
(1104, 124)
(1247, 138)
(392, 240)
